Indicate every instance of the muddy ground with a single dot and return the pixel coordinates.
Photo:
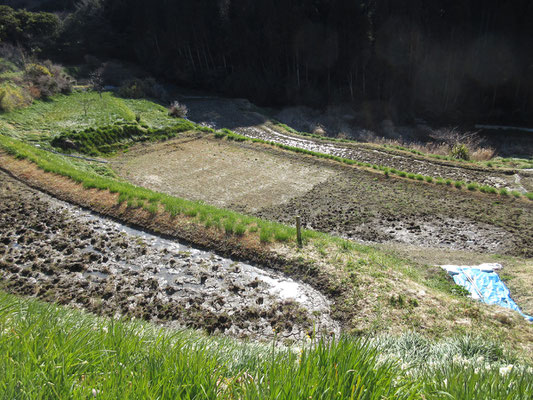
(331, 197)
(61, 253)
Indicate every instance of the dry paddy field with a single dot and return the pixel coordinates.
(343, 200)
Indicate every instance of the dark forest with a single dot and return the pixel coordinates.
(442, 60)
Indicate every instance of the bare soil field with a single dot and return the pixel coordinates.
(330, 197)
(240, 177)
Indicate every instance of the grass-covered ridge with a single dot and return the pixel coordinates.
(56, 352)
(78, 111)
(109, 139)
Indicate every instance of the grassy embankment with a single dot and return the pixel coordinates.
(56, 352)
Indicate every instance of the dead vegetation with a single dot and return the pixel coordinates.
(442, 142)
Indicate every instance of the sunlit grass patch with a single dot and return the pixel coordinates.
(59, 352)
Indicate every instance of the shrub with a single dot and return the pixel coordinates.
(411, 176)
(142, 88)
(460, 152)
(48, 79)
(12, 97)
(483, 153)
(133, 89)
(33, 71)
(178, 110)
(459, 184)
(429, 179)
(472, 186)
(504, 192)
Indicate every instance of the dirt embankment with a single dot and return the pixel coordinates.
(61, 253)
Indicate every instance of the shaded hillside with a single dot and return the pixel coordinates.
(438, 59)
(452, 62)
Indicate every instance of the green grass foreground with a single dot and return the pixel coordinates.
(51, 351)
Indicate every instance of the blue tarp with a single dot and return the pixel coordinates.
(484, 284)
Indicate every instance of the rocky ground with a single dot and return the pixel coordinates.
(61, 253)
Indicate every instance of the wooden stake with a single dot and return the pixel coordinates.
(299, 230)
